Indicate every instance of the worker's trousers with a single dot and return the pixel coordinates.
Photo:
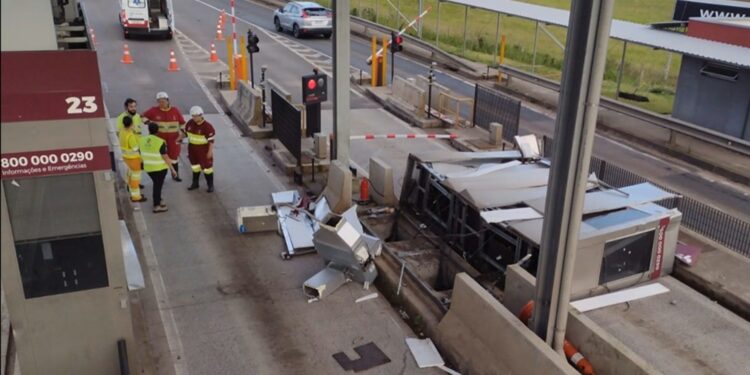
(134, 178)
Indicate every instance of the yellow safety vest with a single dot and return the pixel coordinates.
(129, 145)
(151, 154)
(137, 122)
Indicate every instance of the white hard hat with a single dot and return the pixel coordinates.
(161, 95)
(196, 111)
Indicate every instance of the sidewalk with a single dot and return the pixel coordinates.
(235, 306)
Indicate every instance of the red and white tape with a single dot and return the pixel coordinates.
(234, 29)
(369, 136)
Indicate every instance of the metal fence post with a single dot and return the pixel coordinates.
(466, 23)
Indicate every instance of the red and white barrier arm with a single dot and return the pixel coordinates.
(369, 136)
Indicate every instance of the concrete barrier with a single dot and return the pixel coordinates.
(607, 354)
(481, 336)
(437, 89)
(248, 105)
(408, 93)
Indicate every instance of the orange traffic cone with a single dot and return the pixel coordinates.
(126, 58)
(214, 56)
(219, 34)
(173, 62)
(223, 16)
(93, 37)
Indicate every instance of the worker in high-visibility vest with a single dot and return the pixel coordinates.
(156, 162)
(171, 127)
(200, 148)
(131, 110)
(132, 158)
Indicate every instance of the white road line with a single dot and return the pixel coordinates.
(276, 182)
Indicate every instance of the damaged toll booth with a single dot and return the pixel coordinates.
(488, 207)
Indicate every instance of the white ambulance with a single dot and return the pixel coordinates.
(146, 17)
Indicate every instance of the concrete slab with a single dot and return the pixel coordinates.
(680, 332)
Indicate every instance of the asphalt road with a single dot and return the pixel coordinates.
(198, 21)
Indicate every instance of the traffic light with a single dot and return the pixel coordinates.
(396, 42)
(252, 42)
(314, 88)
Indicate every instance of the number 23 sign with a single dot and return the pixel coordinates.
(34, 90)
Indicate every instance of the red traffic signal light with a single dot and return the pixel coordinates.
(311, 84)
(396, 41)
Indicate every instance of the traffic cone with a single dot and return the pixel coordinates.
(219, 34)
(214, 56)
(223, 16)
(173, 62)
(93, 37)
(126, 58)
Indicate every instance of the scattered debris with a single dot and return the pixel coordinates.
(370, 356)
(626, 295)
(256, 219)
(426, 354)
(687, 254)
(367, 297)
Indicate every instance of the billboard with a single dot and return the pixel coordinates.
(684, 9)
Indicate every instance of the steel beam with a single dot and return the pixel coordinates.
(585, 56)
(341, 63)
(620, 69)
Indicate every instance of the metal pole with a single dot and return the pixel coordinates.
(620, 70)
(668, 67)
(341, 63)
(252, 71)
(377, 10)
(437, 27)
(429, 89)
(419, 26)
(497, 39)
(263, 92)
(580, 90)
(533, 49)
(466, 22)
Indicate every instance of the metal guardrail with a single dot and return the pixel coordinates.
(678, 126)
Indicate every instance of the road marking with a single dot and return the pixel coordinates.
(276, 182)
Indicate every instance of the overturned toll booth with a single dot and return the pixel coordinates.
(488, 208)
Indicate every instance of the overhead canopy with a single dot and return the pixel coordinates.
(623, 30)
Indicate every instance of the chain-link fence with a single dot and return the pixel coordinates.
(732, 232)
(491, 105)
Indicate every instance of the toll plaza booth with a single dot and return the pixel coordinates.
(62, 262)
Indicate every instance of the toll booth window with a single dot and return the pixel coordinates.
(626, 256)
(58, 239)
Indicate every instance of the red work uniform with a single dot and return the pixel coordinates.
(170, 122)
(199, 136)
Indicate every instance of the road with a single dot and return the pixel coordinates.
(217, 301)
(671, 172)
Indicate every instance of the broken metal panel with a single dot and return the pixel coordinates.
(529, 146)
(521, 176)
(345, 249)
(609, 200)
(459, 156)
(296, 227)
(450, 171)
(510, 214)
(324, 283)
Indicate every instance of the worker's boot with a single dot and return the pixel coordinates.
(210, 181)
(176, 177)
(194, 185)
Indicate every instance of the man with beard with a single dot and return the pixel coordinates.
(131, 110)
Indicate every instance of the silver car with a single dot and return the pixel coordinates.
(304, 18)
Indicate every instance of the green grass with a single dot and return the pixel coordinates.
(644, 68)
